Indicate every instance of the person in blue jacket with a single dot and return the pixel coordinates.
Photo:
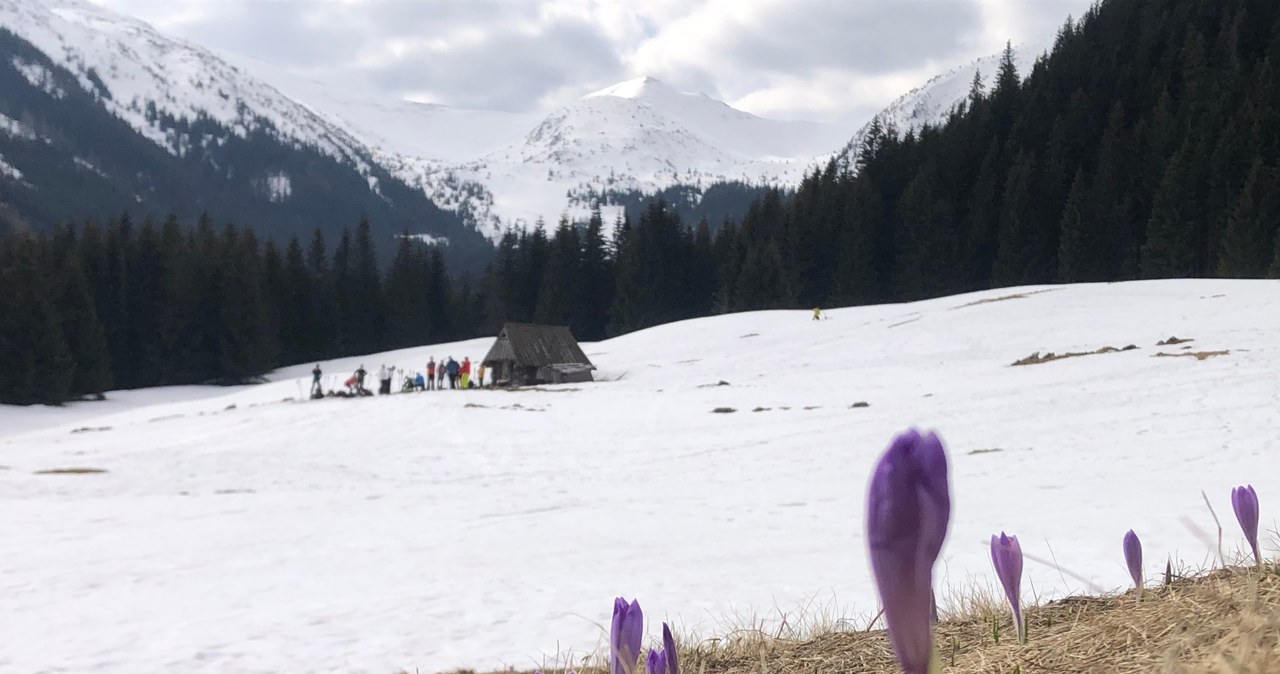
(452, 368)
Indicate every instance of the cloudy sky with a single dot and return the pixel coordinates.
(824, 60)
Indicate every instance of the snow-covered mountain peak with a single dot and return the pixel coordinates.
(634, 88)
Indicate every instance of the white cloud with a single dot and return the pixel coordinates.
(798, 59)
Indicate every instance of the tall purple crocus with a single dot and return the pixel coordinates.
(908, 509)
(669, 647)
(1245, 502)
(1133, 559)
(624, 636)
(1006, 556)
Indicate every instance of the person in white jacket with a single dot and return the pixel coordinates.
(384, 380)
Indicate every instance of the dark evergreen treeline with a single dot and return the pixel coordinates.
(1145, 145)
(125, 306)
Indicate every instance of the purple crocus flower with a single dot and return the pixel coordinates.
(908, 508)
(663, 660)
(669, 647)
(1006, 555)
(1245, 502)
(657, 661)
(1133, 558)
(624, 636)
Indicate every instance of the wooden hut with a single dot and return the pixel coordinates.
(527, 354)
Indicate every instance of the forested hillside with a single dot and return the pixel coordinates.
(1144, 145)
(127, 306)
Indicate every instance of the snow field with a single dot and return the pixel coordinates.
(483, 528)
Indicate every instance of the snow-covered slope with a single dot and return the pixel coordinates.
(139, 73)
(931, 102)
(239, 530)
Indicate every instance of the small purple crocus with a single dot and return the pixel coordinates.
(1133, 559)
(663, 660)
(669, 647)
(1245, 502)
(1006, 556)
(624, 636)
(657, 661)
(908, 509)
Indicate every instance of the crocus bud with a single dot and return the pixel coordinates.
(624, 636)
(656, 662)
(908, 509)
(1006, 556)
(1245, 502)
(669, 647)
(1133, 558)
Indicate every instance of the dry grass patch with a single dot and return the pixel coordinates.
(1014, 296)
(1223, 622)
(1198, 355)
(71, 471)
(90, 429)
(1038, 358)
(1226, 621)
(1174, 340)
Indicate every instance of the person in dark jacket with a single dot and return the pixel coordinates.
(317, 391)
(452, 368)
(360, 375)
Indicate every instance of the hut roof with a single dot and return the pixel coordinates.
(527, 344)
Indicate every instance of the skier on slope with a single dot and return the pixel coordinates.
(464, 371)
(431, 373)
(384, 380)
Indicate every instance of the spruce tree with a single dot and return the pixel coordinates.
(1014, 251)
(855, 273)
(442, 315)
(1248, 242)
(38, 368)
(301, 286)
(246, 343)
(85, 339)
(1074, 244)
(406, 292)
(558, 286)
(368, 311)
(1170, 251)
(595, 291)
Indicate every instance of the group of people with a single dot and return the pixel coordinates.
(458, 374)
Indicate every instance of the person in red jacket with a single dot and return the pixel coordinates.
(465, 372)
(431, 374)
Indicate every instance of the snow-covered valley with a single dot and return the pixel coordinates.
(241, 530)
